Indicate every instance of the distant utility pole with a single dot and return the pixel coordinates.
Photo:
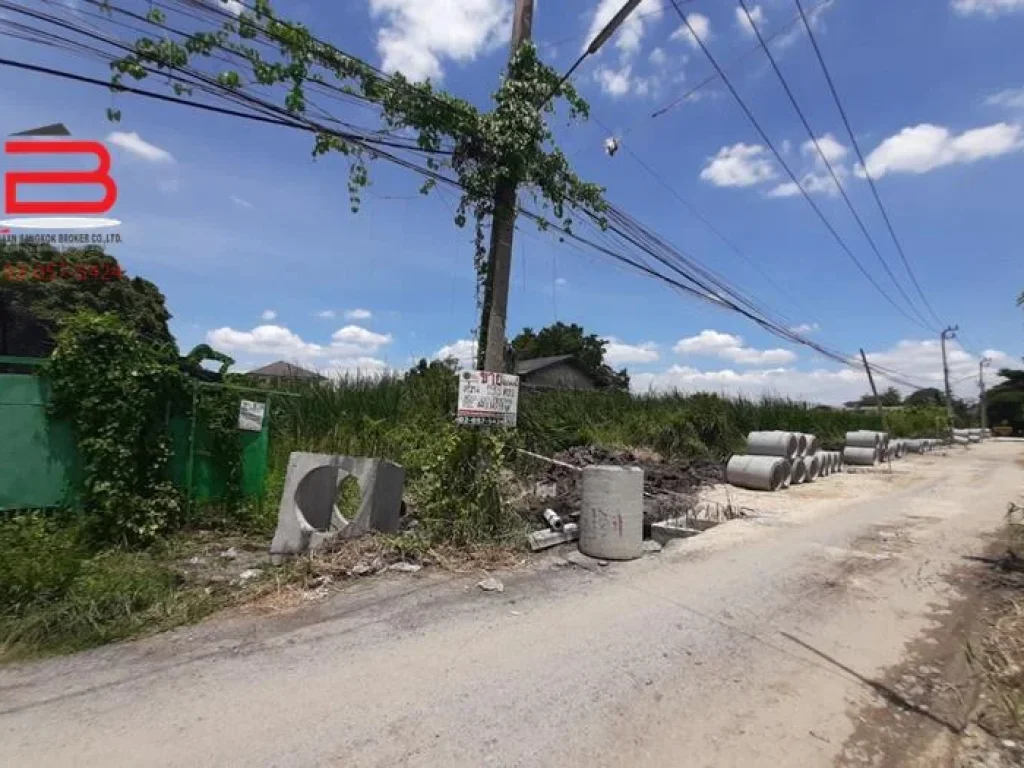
(503, 222)
(984, 363)
(949, 333)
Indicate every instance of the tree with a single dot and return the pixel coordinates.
(926, 396)
(562, 339)
(891, 397)
(41, 286)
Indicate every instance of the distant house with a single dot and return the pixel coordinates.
(558, 372)
(282, 372)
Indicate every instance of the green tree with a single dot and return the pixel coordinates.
(891, 397)
(926, 396)
(41, 286)
(562, 339)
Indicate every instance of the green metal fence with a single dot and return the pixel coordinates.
(40, 466)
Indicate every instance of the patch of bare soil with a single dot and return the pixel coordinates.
(671, 487)
(958, 698)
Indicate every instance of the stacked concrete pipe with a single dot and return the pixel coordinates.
(798, 471)
(759, 473)
(861, 456)
(784, 444)
(813, 464)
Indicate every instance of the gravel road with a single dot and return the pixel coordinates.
(684, 658)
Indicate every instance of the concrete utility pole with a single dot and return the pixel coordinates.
(503, 223)
(984, 363)
(949, 333)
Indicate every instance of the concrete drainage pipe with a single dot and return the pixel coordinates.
(813, 464)
(759, 473)
(798, 471)
(784, 444)
(858, 456)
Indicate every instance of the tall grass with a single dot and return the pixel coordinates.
(409, 420)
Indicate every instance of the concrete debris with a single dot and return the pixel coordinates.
(365, 568)
(652, 546)
(229, 554)
(405, 567)
(545, 490)
(546, 538)
(491, 584)
(602, 563)
(308, 518)
(249, 574)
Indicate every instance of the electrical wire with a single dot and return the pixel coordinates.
(863, 162)
(753, 120)
(828, 163)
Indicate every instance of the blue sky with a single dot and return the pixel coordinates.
(253, 243)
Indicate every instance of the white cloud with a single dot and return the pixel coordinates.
(240, 202)
(833, 149)
(805, 328)
(920, 361)
(326, 314)
(268, 315)
(351, 343)
(820, 183)
(463, 350)
(560, 281)
(815, 17)
(357, 314)
(925, 147)
(354, 366)
(988, 8)
(741, 165)
(618, 353)
(417, 34)
(730, 347)
(136, 145)
(614, 82)
(234, 7)
(354, 339)
(756, 13)
(658, 57)
(629, 36)
(1011, 98)
(264, 340)
(701, 25)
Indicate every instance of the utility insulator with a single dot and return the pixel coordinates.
(611, 145)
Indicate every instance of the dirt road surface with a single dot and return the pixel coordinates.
(685, 658)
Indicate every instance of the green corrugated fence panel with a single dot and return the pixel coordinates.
(209, 484)
(39, 464)
(38, 459)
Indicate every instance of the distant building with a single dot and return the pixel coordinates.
(282, 372)
(558, 372)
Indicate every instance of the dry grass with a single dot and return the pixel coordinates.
(999, 653)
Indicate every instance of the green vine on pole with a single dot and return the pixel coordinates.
(512, 141)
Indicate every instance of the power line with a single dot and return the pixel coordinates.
(750, 116)
(826, 161)
(863, 162)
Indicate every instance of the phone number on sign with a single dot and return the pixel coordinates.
(61, 270)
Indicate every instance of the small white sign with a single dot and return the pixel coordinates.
(487, 398)
(250, 416)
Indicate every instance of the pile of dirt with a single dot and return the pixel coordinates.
(670, 487)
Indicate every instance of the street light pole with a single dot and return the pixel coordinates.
(984, 363)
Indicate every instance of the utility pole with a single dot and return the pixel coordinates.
(949, 333)
(984, 363)
(503, 225)
(878, 400)
(491, 356)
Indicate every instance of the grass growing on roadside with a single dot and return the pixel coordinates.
(56, 595)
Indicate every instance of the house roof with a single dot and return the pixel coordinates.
(526, 367)
(283, 370)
